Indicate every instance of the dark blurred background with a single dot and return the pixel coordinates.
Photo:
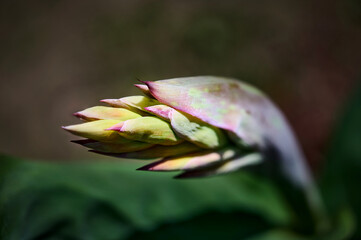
(58, 57)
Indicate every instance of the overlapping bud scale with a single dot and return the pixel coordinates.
(141, 127)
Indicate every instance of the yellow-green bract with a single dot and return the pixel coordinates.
(177, 122)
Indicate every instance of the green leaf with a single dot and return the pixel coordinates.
(341, 179)
(110, 200)
(278, 234)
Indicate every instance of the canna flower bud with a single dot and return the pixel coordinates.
(199, 125)
(169, 128)
(202, 126)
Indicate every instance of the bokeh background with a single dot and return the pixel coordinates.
(58, 57)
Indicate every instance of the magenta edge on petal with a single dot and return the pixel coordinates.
(118, 129)
(180, 108)
(78, 115)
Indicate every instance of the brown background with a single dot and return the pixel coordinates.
(58, 57)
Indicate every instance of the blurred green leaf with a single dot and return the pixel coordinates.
(341, 179)
(278, 234)
(110, 200)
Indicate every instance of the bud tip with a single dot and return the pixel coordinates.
(70, 128)
(78, 115)
(65, 128)
(144, 168)
(141, 81)
(148, 167)
(109, 101)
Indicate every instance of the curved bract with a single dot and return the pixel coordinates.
(239, 108)
(202, 126)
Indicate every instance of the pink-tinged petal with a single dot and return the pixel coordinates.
(162, 111)
(118, 103)
(129, 146)
(225, 103)
(147, 129)
(96, 130)
(189, 127)
(101, 113)
(145, 90)
(138, 102)
(114, 103)
(116, 127)
(159, 151)
(211, 99)
(193, 160)
(225, 167)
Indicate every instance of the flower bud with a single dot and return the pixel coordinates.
(203, 126)
(190, 124)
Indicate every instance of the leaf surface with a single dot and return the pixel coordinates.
(109, 200)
